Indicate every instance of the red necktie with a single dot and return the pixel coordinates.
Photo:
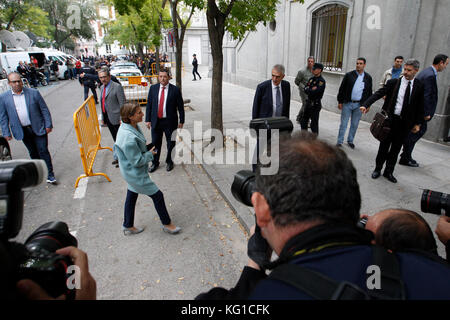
(103, 99)
(161, 104)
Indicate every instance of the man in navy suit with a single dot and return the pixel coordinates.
(272, 97)
(163, 102)
(429, 79)
(26, 113)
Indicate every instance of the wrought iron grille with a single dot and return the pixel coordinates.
(328, 36)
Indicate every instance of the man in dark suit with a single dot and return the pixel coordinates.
(163, 102)
(429, 79)
(272, 97)
(26, 113)
(87, 83)
(404, 106)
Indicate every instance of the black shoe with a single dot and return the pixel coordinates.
(339, 145)
(153, 167)
(194, 79)
(351, 145)
(115, 162)
(408, 163)
(376, 174)
(169, 166)
(390, 177)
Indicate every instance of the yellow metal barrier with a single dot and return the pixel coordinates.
(168, 65)
(136, 87)
(88, 135)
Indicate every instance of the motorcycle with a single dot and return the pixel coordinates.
(41, 78)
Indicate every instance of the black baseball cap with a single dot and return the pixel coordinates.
(317, 66)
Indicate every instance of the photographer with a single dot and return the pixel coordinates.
(401, 230)
(88, 288)
(308, 214)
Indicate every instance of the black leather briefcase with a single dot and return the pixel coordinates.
(380, 127)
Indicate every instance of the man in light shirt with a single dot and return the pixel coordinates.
(24, 112)
(404, 106)
(356, 86)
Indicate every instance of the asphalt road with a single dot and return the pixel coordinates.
(210, 251)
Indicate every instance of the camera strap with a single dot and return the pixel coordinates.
(320, 287)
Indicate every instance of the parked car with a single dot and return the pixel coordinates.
(133, 91)
(124, 65)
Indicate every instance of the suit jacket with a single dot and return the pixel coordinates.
(346, 87)
(114, 100)
(428, 78)
(37, 111)
(174, 103)
(413, 115)
(263, 101)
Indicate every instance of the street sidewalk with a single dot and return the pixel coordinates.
(434, 158)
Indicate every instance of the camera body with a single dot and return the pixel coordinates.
(36, 258)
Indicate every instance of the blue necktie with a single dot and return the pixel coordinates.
(278, 109)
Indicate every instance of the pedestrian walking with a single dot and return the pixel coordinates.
(26, 113)
(429, 79)
(134, 158)
(195, 70)
(404, 106)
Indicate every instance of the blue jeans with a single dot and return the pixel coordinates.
(130, 206)
(349, 110)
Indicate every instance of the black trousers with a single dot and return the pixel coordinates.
(195, 71)
(163, 126)
(94, 92)
(389, 149)
(311, 112)
(113, 128)
(410, 142)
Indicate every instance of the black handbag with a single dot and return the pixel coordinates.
(380, 127)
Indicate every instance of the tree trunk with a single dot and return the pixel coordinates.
(216, 30)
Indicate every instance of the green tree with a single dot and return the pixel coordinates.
(23, 15)
(142, 18)
(237, 17)
(69, 19)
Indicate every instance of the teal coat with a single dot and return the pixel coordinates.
(133, 158)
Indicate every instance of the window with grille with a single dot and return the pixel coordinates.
(328, 35)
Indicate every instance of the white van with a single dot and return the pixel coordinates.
(10, 60)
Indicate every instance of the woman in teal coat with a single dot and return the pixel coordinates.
(134, 157)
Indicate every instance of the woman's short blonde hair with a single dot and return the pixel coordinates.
(128, 110)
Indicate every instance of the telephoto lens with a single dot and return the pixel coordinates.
(243, 186)
(435, 202)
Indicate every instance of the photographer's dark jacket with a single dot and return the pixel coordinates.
(342, 253)
(346, 87)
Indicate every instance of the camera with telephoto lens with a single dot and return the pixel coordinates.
(435, 202)
(36, 258)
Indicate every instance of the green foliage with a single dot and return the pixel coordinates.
(137, 23)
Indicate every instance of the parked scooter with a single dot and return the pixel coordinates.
(41, 78)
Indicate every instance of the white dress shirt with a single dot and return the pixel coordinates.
(21, 108)
(401, 94)
(274, 97)
(166, 93)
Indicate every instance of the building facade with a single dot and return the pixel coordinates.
(336, 33)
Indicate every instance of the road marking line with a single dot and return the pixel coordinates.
(80, 191)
